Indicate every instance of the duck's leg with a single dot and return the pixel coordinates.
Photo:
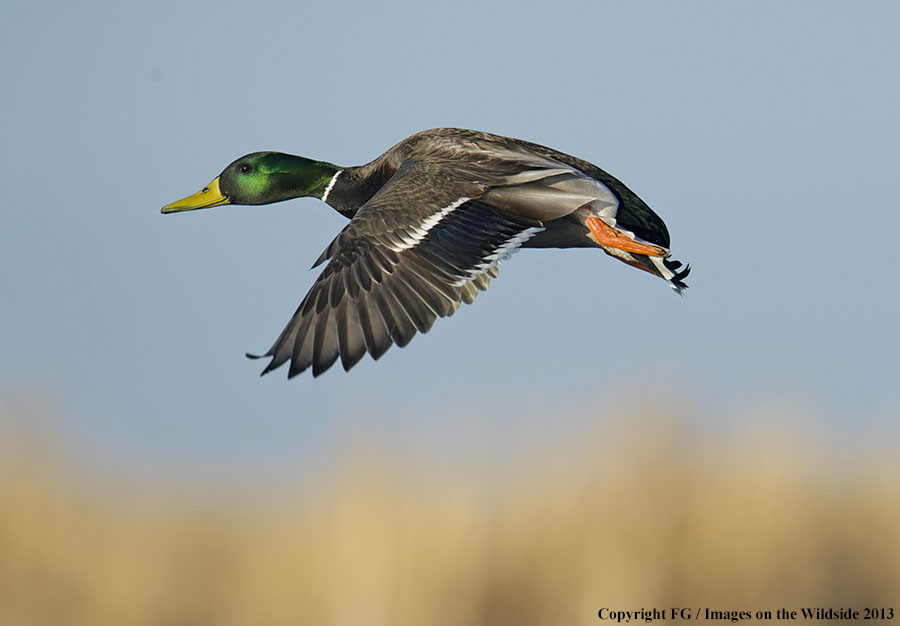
(609, 237)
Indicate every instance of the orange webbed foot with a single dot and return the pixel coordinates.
(609, 237)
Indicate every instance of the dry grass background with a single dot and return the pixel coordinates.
(640, 515)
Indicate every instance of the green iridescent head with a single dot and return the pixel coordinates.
(261, 178)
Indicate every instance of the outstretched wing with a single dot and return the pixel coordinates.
(412, 253)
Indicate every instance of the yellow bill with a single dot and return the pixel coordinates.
(207, 197)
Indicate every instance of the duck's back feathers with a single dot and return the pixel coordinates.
(478, 146)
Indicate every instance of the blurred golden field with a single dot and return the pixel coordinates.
(640, 513)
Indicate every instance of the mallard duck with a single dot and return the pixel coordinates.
(430, 220)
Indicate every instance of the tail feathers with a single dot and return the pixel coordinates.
(669, 272)
(667, 269)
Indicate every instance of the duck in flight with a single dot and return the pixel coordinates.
(430, 220)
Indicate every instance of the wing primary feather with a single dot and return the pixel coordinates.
(372, 269)
(399, 326)
(281, 349)
(362, 276)
(336, 290)
(325, 347)
(375, 331)
(300, 345)
(351, 286)
(310, 302)
(351, 343)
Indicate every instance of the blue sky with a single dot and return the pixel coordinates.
(765, 134)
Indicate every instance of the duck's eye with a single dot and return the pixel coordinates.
(245, 168)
